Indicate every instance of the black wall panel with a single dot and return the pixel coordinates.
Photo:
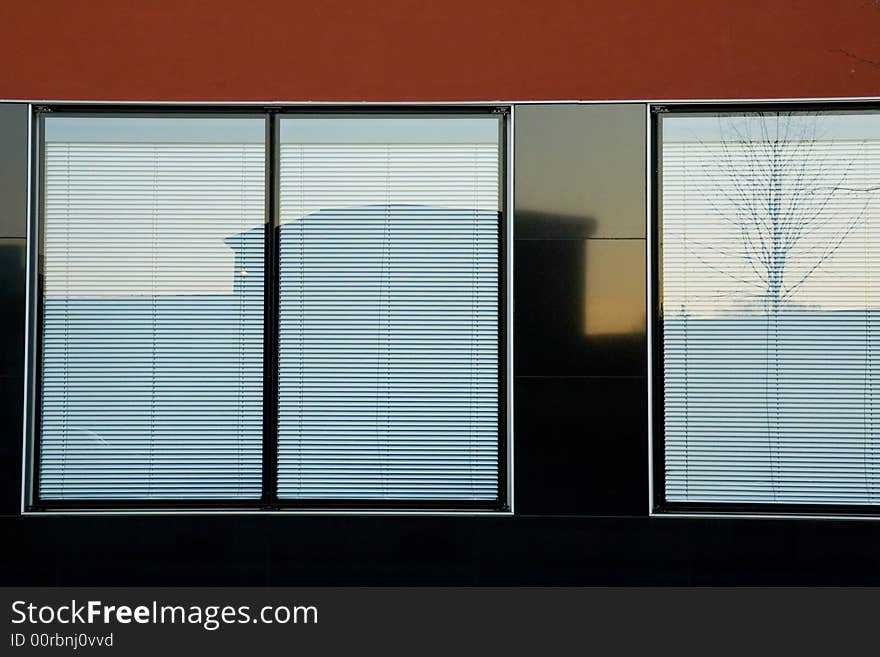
(13, 230)
(581, 445)
(531, 550)
(579, 298)
(12, 301)
(580, 428)
(580, 170)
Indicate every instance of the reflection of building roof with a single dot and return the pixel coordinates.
(366, 212)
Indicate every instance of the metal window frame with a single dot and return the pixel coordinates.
(268, 502)
(659, 506)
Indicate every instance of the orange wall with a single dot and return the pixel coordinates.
(437, 49)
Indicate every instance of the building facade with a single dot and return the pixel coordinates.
(379, 295)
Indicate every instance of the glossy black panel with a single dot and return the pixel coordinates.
(580, 171)
(11, 395)
(315, 550)
(13, 169)
(581, 445)
(579, 307)
(12, 293)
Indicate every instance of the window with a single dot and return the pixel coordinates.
(769, 301)
(151, 364)
(350, 356)
(389, 309)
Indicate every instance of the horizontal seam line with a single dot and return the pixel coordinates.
(578, 239)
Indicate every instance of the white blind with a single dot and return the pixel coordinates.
(389, 309)
(152, 317)
(771, 308)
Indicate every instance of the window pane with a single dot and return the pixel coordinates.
(152, 315)
(771, 294)
(389, 308)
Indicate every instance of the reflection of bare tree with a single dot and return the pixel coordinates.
(772, 178)
(771, 183)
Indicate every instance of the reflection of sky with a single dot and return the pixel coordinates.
(711, 127)
(302, 129)
(386, 130)
(143, 205)
(194, 130)
(614, 287)
(828, 189)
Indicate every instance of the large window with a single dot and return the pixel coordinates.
(769, 300)
(270, 310)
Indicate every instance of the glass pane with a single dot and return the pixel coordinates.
(771, 294)
(152, 316)
(389, 315)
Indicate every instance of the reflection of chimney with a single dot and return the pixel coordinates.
(248, 248)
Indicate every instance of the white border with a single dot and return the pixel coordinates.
(508, 295)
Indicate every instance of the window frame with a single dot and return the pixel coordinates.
(269, 501)
(658, 505)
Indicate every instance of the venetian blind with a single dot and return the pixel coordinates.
(152, 315)
(771, 307)
(389, 308)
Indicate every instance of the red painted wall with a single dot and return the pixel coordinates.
(397, 50)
